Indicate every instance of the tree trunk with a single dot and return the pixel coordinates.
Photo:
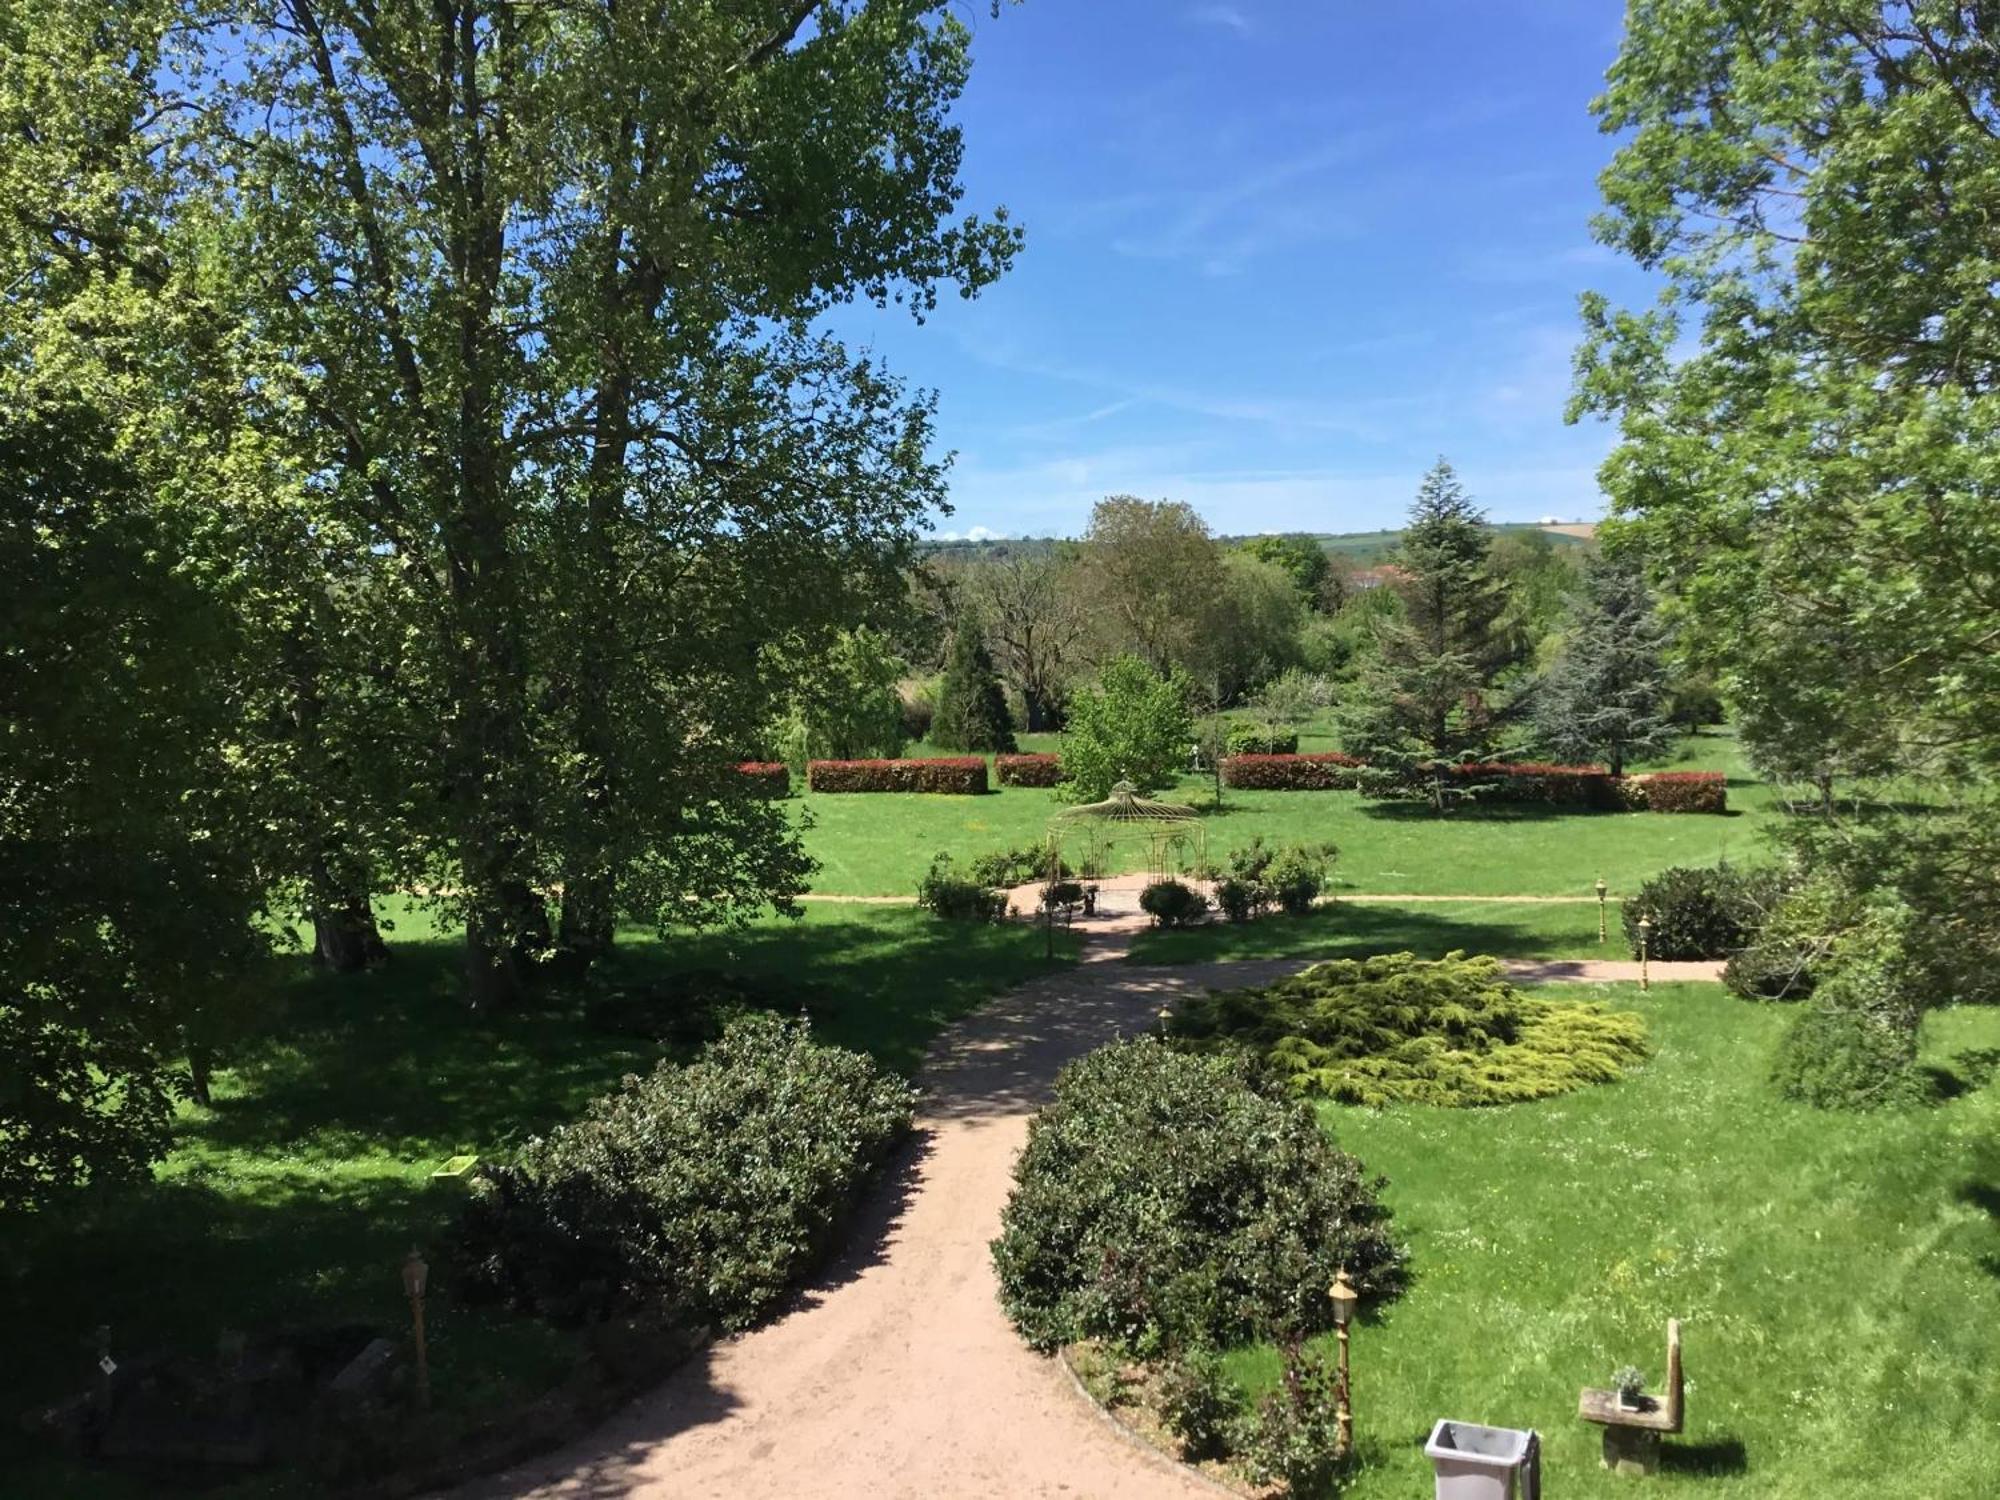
(345, 937)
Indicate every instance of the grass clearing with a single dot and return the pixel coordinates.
(1513, 929)
(1839, 1276)
(294, 1199)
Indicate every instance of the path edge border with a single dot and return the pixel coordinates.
(1136, 1440)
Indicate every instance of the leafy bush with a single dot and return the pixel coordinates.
(1398, 1029)
(1170, 903)
(1237, 899)
(1259, 739)
(963, 775)
(1292, 773)
(1063, 893)
(1012, 867)
(1298, 875)
(1696, 913)
(771, 777)
(1198, 1403)
(1677, 792)
(1163, 1203)
(1769, 970)
(704, 1191)
(1854, 1044)
(944, 893)
(1132, 726)
(1294, 1436)
(1028, 770)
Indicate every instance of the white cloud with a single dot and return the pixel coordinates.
(1226, 16)
(971, 534)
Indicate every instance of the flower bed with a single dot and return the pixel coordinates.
(1028, 770)
(771, 777)
(963, 775)
(1677, 792)
(1290, 773)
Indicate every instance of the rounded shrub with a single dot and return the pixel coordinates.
(704, 1191)
(1163, 1203)
(1172, 903)
(943, 892)
(1696, 913)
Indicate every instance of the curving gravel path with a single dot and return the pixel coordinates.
(896, 1376)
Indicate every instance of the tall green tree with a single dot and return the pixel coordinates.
(1435, 690)
(525, 296)
(1607, 697)
(1131, 725)
(1155, 576)
(971, 705)
(843, 703)
(1303, 559)
(1038, 620)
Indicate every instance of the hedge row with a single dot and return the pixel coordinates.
(1028, 770)
(771, 777)
(964, 775)
(1583, 786)
(1290, 773)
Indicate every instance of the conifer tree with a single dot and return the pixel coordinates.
(1606, 696)
(971, 704)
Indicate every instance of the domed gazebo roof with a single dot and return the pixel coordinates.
(1125, 805)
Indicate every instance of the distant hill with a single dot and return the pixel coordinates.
(1361, 546)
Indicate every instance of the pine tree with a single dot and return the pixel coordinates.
(971, 704)
(1434, 692)
(1606, 698)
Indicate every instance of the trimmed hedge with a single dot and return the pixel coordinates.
(1259, 739)
(1027, 770)
(771, 777)
(1529, 781)
(1678, 792)
(704, 1191)
(960, 775)
(1291, 773)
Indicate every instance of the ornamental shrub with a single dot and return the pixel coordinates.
(1237, 899)
(1696, 913)
(1298, 875)
(773, 778)
(1199, 1403)
(1163, 1203)
(1853, 1045)
(1677, 792)
(1132, 726)
(943, 892)
(1260, 739)
(1006, 868)
(1326, 772)
(1398, 1029)
(1028, 770)
(1533, 782)
(1293, 1438)
(961, 775)
(703, 1191)
(1170, 903)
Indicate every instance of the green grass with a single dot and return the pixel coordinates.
(1431, 930)
(881, 843)
(1838, 1276)
(293, 1200)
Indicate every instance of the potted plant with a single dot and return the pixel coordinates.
(1630, 1385)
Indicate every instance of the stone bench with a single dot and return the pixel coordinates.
(1632, 1435)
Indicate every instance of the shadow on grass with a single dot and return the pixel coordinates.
(1349, 931)
(1714, 1457)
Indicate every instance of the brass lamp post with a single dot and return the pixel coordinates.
(1345, 1300)
(1602, 889)
(416, 1275)
(1645, 943)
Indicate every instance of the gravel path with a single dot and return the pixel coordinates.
(896, 1377)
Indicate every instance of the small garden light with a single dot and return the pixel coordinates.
(1602, 890)
(1645, 944)
(416, 1276)
(1345, 1301)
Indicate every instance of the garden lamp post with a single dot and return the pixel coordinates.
(1645, 944)
(415, 1276)
(1345, 1300)
(1166, 1020)
(1602, 889)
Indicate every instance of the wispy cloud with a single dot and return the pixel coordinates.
(1228, 17)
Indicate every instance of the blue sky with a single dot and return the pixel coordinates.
(1281, 254)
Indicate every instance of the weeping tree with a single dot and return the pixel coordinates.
(515, 306)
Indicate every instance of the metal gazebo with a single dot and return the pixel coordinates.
(1175, 839)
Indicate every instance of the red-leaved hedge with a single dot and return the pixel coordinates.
(771, 777)
(962, 774)
(1028, 770)
(1290, 773)
(1531, 781)
(1679, 792)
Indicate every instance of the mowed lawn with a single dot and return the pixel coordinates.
(294, 1199)
(879, 844)
(1504, 929)
(1838, 1276)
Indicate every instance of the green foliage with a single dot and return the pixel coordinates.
(844, 704)
(1699, 913)
(1257, 878)
(971, 705)
(1629, 1381)
(1606, 697)
(1434, 691)
(705, 1191)
(1132, 726)
(1005, 868)
(1298, 875)
(1853, 1045)
(1250, 633)
(1292, 1438)
(1198, 1402)
(1156, 577)
(1161, 1202)
(1397, 1029)
(1259, 739)
(1294, 697)
(1303, 560)
(944, 893)
(1172, 903)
